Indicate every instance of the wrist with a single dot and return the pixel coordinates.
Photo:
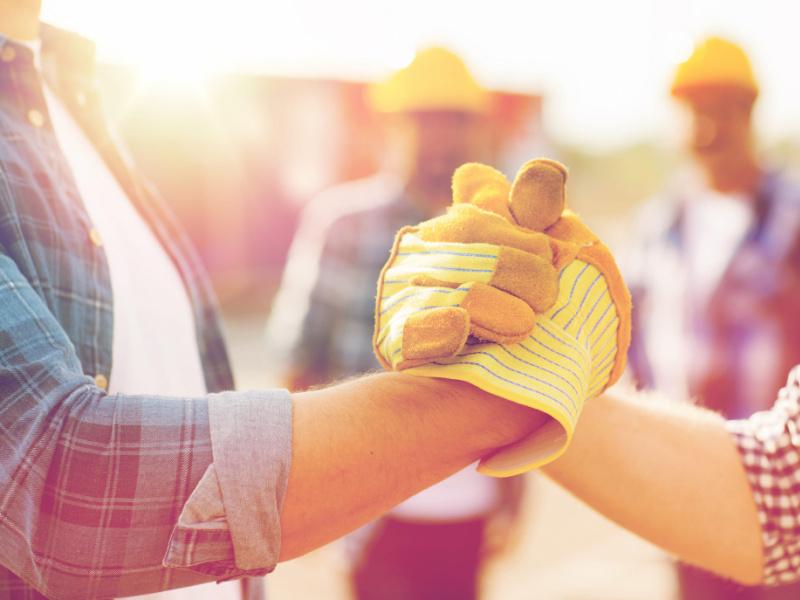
(489, 422)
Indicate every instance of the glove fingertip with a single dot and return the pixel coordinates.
(537, 194)
(437, 333)
(471, 178)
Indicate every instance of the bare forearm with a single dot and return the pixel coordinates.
(670, 473)
(363, 446)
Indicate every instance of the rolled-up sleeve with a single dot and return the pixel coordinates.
(93, 486)
(769, 445)
(230, 526)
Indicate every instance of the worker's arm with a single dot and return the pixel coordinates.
(107, 495)
(670, 473)
(361, 447)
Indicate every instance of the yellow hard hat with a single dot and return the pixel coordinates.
(437, 79)
(715, 62)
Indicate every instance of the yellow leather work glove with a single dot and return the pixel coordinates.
(512, 293)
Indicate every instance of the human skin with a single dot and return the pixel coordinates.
(363, 446)
(670, 473)
(720, 139)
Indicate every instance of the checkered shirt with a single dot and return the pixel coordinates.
(769, 444)
(325, 309)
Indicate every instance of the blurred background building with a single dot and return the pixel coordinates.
(239, 158)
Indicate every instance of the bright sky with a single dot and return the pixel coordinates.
(603, 66)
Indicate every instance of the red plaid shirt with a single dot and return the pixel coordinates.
(769, 444)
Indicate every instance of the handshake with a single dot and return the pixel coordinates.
(510, 292)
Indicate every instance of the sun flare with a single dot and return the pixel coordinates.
(573, 52)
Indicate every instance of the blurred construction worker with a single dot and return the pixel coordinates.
(718, 273)
(436, 118)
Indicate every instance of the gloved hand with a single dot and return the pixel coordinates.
(509, 292)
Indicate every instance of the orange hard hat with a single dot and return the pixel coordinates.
(718, 63)
(437, 79)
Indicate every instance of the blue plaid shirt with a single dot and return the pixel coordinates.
(323, 314)
(91, 484)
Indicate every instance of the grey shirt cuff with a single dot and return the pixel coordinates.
(251, 441)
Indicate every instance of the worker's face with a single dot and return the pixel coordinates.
(720, 133)
(436, 143)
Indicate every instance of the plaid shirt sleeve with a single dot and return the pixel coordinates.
(769, 444)
(92, 484)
